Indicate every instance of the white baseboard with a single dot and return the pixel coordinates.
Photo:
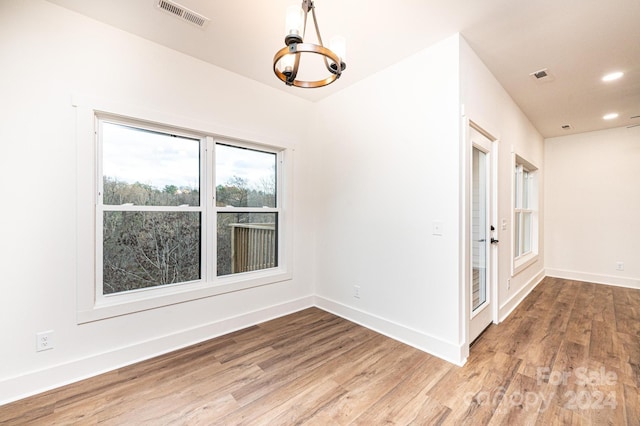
(442, 349)
(510, 304)
(594, 278)
(35, 382)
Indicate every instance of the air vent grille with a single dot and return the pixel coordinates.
(183, 13)
(567, 127)
(542, 76)
(196, 19)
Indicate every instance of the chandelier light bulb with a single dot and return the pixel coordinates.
(286, 63)
(294, 23)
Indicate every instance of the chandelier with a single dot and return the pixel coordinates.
(286, 61)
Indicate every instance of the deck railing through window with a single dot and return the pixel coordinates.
(253, 247)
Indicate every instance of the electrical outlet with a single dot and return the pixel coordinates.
(356, 291)
(619, 266)
(44, 340)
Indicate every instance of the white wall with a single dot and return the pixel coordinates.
(593, 206)
(387, 160)
(48, 53)
(488, 105)
(391, 162)
(377, 167)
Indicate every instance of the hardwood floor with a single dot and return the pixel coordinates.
(569, 354)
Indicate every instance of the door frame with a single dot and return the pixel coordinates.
(467, 296)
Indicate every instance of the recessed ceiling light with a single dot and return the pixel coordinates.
(613, 76)
(610, 116)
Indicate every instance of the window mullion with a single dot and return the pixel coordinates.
(208, 178)
(247, 209)
(519, 234)
(522, 232)
(135, 208)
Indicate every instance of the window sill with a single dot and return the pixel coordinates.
(523, 262)
(128, 303)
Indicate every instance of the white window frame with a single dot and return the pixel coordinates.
(92, 305)
(278, 209)
(525, 183)
(117, 298)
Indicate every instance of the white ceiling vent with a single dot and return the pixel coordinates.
(542, 76)
(183, 13)
(567, 127)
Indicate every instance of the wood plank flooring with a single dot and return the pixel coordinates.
(568, 355)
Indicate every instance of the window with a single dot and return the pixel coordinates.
(149, 207)
(523, 212)
(247, 210)
(525, 233)
(179, 215)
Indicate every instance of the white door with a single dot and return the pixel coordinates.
(482, 234)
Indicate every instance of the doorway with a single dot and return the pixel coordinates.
(482, 233)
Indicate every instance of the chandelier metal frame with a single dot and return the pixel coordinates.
(295, 45)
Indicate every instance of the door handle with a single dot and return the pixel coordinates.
(494, 241)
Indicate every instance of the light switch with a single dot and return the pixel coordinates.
(504, 224)
(437, 228)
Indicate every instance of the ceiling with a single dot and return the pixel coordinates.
(578, 41)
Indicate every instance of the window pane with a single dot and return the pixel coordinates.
(245, 177)
(247, 242)
(517, 234)
(525, 189)
(148, 249)
(148, 168)
(526, 232)
(518, 188)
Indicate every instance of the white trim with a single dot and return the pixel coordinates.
(177, 295)
(492, 216)
(495, 208)
(448, 351)
(152, 292)
(209, 203)
(514, 301)
(594, 278)
(523, 262)
(164, 119)
(481, 308)
(92, 308)
(464, 224)
(37, 381)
